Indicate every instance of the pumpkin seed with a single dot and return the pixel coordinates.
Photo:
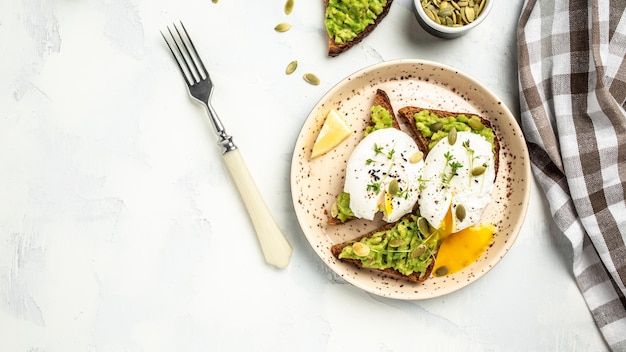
(460, 212)
(416, 157)
(470, 14)
(376, 240)
(452, 136)
(475, 123)
(479, 170)
(430, 14)
(360, 249)
(282, 27)
(418, 251)
(214, 1)
(441, 271)
(422, 225)
(291, 67)
(288, 7)
(397, 242)
(453, 13)
(436, 126)
(481, 7)
(311, 79)
(445, 11)
(334, 210)
(393, 187)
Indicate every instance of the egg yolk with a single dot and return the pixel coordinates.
(388, 207)
(445, 228)
(462, 248)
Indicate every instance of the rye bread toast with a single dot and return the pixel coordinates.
(415, 277)
(334, 48)
(382, 99)
(407, 113)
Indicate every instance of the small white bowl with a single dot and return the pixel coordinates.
(442, 31)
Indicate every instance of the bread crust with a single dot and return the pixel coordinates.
(381, 98)
(407, 113)
(335, 49)
(414, 277)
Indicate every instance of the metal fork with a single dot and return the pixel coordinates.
(276, 249)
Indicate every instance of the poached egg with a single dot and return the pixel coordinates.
(383, 174)
(457, 182)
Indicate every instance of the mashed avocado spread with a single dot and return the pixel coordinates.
(381, 118)
(345, 19)
(403, 248)
(343, 207)
(425, 121)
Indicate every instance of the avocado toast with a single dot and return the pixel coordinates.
(405, 249)
(408, 248)
(430, 125)
(382, 116)
(347, 22)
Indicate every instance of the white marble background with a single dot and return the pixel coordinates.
(120, 229)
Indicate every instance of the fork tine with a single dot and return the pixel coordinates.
(195, 56)
(180, 66)
(185, 56)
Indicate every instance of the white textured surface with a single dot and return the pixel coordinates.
(120, 229)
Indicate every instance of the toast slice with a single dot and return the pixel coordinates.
(381, 100)
(413, 260)
(336, 45)
(407, 115)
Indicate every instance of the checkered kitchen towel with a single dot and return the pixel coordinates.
(572, 72)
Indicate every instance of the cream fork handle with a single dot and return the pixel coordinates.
(276, 249)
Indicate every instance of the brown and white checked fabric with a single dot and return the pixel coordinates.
(572, 72)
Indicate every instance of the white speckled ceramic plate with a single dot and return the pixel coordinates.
(316, 183)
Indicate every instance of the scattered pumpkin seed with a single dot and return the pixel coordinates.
(418, 251)
(282, 27)
(479, 170)
(334, 210)
(475, 123)
(361, 249)
(441, 271)
(460, 212)
(452, 136)
(291, 67)
(311, 79)
(376, 240)
(288, 7)
(422, 225)
(436, 126)
(416, 157)
(393, 187)
(397, 242)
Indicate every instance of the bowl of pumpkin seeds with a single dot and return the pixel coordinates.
(451, 18)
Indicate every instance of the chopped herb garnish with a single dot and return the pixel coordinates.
(375, 186)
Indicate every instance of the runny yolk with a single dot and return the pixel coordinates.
(462, 248)
(388, 204)
(445, 229)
